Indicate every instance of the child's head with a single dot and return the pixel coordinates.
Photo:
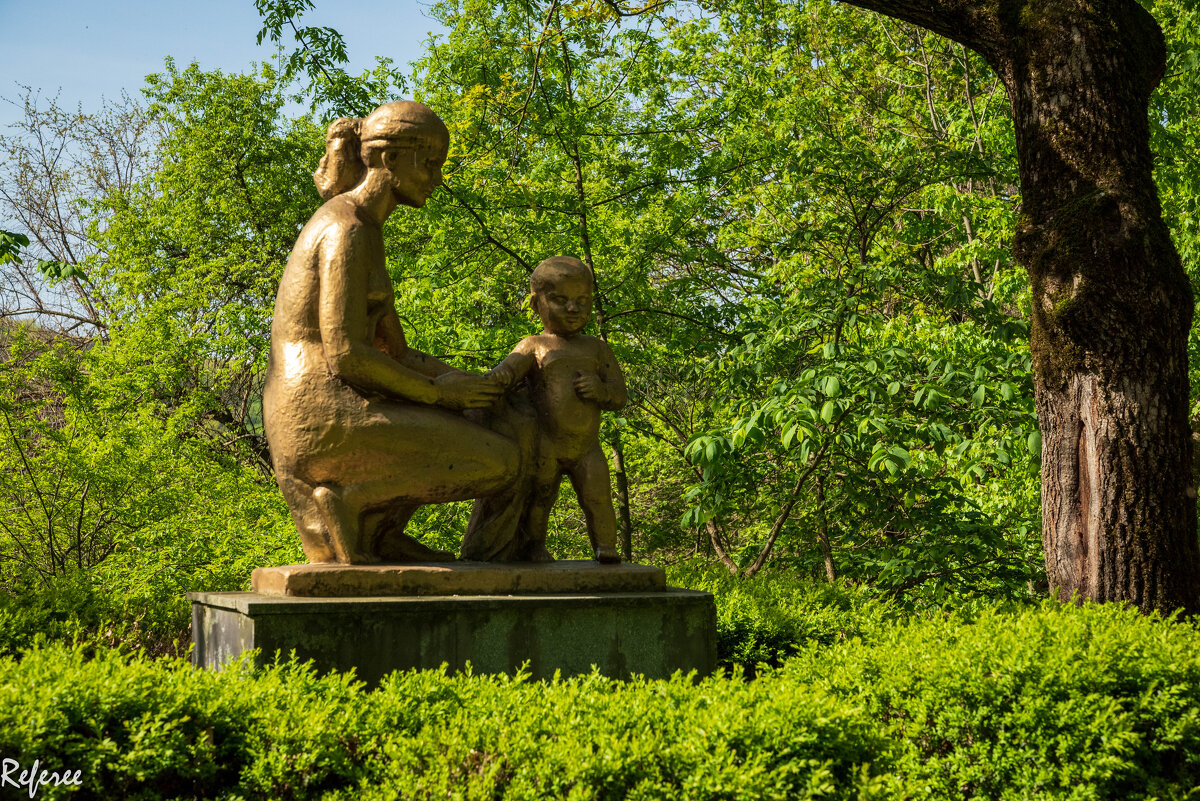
(560, 291)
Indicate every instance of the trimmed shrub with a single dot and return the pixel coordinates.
(1050, 702)
(146, 729)
(1092, 702)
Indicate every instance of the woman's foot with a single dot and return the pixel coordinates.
(342, 525)
(537, 553)
(397, 547)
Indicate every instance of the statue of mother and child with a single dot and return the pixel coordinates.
(364, 429)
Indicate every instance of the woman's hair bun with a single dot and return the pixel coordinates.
(341, 168)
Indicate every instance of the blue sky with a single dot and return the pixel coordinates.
(85, 50)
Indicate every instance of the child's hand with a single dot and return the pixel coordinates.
(589, 387)
(511, 370)
(501, 376)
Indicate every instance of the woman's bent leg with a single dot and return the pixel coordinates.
(403, 456)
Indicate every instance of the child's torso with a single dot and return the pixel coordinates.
(571, 422)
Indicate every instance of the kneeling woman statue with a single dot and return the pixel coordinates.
(364, 429)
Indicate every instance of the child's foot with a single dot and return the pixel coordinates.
(607, 554)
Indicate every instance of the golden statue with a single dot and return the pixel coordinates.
(364, 429)
(571, 378)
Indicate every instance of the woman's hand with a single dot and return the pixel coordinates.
(457, 390)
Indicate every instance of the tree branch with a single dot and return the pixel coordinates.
(968, 22)
(488, 234)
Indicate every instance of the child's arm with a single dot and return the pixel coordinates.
(607, 387)
(514, 367)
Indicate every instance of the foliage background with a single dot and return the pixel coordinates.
(799, 216)
(800, 219)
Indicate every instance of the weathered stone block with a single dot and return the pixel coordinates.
(622, 633)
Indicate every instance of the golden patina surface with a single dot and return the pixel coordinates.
(571, 378)
(363, 429)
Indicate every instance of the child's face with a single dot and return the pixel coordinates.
(565, 305)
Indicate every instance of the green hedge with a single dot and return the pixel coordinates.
(1080, 703)
(73, 608)
(764, 619)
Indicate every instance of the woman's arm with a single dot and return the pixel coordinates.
(391, 334)
(344, 270)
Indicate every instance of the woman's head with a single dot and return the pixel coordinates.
(404, 137)
(403, 124)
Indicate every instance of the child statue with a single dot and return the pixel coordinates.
(571, 378)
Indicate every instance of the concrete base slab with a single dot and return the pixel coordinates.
(650, 633)
(455, 578)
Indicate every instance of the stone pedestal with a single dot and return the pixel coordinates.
(455, 578)
(621, 619)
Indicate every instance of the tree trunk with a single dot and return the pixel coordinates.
(1112, 305)
(623, 515)
(823, 533)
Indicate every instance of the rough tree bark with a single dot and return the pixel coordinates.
(1111, 303)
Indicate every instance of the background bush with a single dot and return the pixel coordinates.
(763, 619)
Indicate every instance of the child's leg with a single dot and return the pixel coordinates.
(589, 476)
(546, 479)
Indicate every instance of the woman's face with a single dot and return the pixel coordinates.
(416, 173)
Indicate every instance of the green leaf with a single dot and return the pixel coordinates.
(790, 435)
(10, 247)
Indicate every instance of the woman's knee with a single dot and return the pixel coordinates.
(499, 457)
